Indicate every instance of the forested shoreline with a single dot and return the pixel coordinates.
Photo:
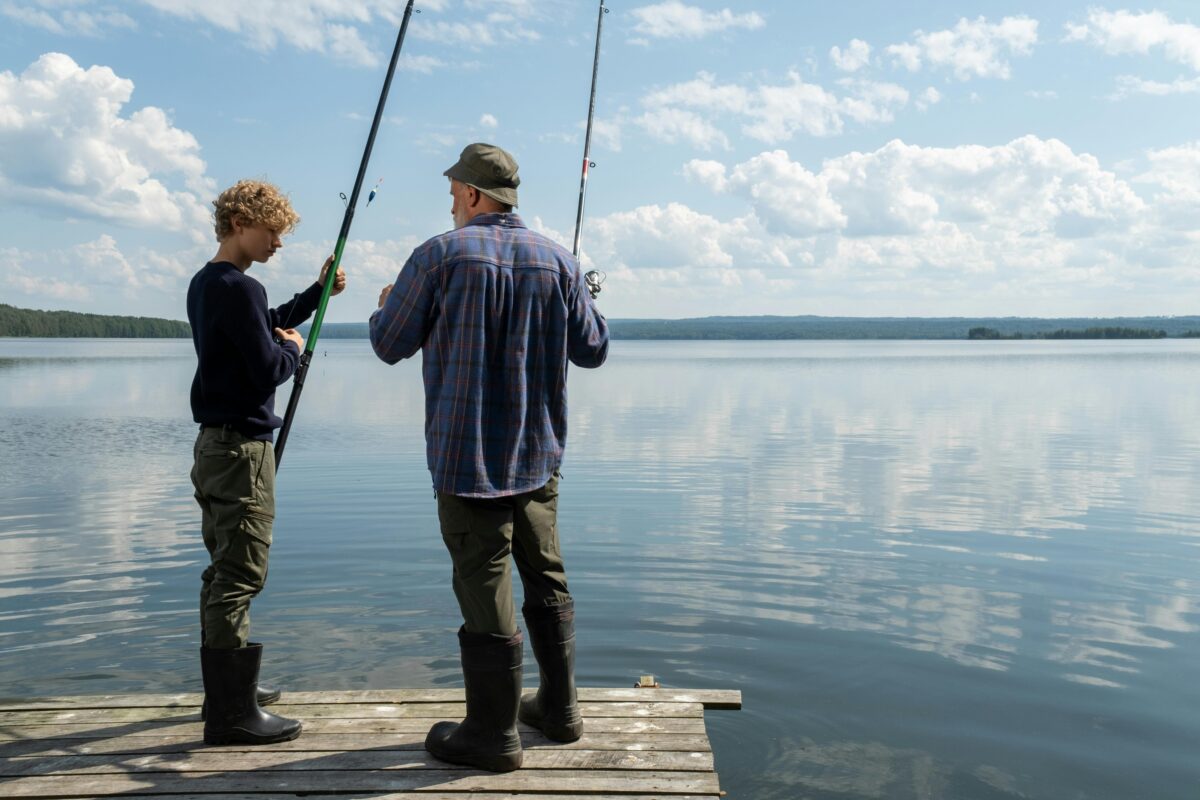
(30, 323)
(19, 322)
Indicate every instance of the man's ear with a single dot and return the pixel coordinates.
(473, 196)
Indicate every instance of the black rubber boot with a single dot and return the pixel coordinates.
(231, 686)
(488, 737)
(266, 696)
(554, 710)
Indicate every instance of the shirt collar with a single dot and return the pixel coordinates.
(498, 218)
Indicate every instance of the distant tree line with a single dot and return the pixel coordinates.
(1107, 332)
(27, 322)
(880, 328)
(24, 322)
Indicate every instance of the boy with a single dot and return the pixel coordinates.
(245, 350)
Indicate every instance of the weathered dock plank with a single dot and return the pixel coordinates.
(716, 699)
(433, 711)
(444, 780)
(638, 744)
(205, 761)
(188, 722)
(328, 742)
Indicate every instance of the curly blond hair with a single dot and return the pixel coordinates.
(256, 202)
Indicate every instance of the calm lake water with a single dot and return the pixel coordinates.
(964, 570)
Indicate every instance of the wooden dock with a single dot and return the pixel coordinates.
(637, 743)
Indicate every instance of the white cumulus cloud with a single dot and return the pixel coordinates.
(692, 110)
(674, 125)
(23, 273)
(971, 49)
(1129, 32)
(871, 101)
(693, 256)
(97, 270)
(1129, 85)
(331, 27)
(671, 237)
(370, 265)
(1174, 177)
(785, 196)
(66, 145)
(927, 98)
(62, 18)
(496, 29)
(1140, 33)
(676, 20)
(1029, 185)
(856, 56)
(1030, 225)
(607, 132)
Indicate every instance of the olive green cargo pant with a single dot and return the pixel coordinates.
(234, 478)
(481, 534)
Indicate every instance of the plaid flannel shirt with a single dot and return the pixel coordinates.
(497, 311)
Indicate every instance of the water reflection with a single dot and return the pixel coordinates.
(949, 463)
(935, 569)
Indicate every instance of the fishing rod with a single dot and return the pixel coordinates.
(593, 278)
(343, 234)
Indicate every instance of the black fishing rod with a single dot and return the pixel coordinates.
(331, 275)
(593, 278)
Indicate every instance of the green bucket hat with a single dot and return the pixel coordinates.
(489, 169)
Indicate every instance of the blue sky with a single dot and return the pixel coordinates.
(763, 157)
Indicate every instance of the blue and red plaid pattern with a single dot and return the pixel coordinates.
(497, 311)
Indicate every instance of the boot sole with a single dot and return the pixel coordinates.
(243, 737)
(569, 732)
(564, 734)
(489, 763)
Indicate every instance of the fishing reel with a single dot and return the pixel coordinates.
(592, 279)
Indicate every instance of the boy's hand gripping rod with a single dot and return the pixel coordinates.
(331, 275)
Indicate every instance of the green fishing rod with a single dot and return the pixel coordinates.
(315, 331)
(593, 278)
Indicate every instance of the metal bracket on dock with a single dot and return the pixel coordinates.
(646, 682)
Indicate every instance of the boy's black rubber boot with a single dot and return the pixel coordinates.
(231, 688)
(266, 696)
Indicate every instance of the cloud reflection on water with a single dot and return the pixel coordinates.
(825, 465)
(952, 546)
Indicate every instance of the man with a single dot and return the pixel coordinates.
(497, 311)
(233, 398)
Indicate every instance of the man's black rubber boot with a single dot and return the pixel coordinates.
(554, 710)
(488, 737)
(231, 687)
(266, 696)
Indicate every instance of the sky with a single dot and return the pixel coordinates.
(760, 157)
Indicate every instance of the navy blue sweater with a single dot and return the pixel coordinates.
(239, 362)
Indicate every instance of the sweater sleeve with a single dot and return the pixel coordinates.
(298, 309)
(248, 322)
